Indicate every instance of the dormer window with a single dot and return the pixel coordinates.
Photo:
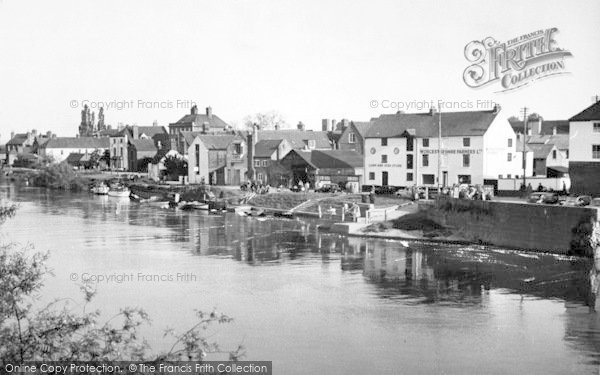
(311, 144)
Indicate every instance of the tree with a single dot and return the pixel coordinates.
(265, 120)
(60, 332)
(175, 166)
(94, 160)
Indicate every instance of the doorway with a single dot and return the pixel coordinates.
(384, 178)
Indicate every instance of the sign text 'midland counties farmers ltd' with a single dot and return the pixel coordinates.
(453, 151)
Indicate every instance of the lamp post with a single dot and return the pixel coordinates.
(524, 111)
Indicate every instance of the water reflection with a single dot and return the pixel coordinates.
(356, 276)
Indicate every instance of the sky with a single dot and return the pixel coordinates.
(308, 60)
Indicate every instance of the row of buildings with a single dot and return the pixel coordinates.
(401, 149)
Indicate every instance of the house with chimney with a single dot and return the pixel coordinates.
(296, 139)
(405, 149)
(352, 137)
(548, 140)
(216, 159)
(125, 155)
(323, 166)
(267, 154)
(205, 123)
(584, 146)
(21, 144)
(60, 148)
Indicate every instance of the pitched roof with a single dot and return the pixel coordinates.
(218, 142)
(425, 125)
(540, 151)
(266, 148)
(74, 158)
(590, 113)
(562, 126)
(213, 121)
(362, 127)
(296, 138)
(561, 141)
(149, 131)
(18, 139)
(143, 144)
(336, 159)
(77, 142)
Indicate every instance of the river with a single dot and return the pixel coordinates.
(313, 302)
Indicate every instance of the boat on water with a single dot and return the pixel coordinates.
(100, 189)
(193, 206)
(118, 191)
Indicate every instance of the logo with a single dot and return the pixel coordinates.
(515, 63)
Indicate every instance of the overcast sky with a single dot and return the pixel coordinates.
(306, 59)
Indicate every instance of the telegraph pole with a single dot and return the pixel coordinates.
(439, 149)
(524, 112)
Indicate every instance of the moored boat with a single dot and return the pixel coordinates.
(118, 191)
(100, 189)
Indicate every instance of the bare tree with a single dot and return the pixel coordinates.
(266, 120)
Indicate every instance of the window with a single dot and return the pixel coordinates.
(383, 159)
(197, 159)
(409, 176)
(428, 179)
(265, 163)
(425, 142)
(597, 127)
(466, 160)
(371, 175)
(595, 151)
(464, 178)
(567, 153)
(409, 144)
(237, 148)
(553, 154)
(508, 175)
(259, 177)
(466, 142)
(509, 142)
(311, 143)
(121, 140)
(351, 138)
(257, 163)
(409, 161)
(384, 141)
(509, 157)
(426, 160)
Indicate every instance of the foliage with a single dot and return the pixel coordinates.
(142, 164)
(265, 120)
(57, 176)
(93, 161)
(175, 166)
(61, 332)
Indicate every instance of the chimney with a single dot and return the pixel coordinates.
(209, 112)
(432, 111)
(277, 126)
(539, 125)
(135, 131)
(301, 126)
(194, 110)
(205, 127)
(325, 125)
(12, 135)
(497, 108)
(155, 123)
(345, 124)
(554, 131)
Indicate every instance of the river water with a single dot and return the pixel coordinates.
(313, 302)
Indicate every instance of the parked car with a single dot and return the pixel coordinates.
(543, 197)
(580, 201)
(328, 187)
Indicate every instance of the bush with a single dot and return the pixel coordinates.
(58, 176)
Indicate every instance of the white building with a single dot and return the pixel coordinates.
(402, 149)
(61, 147)
(584, 150)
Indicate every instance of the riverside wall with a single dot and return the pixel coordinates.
(548, 228)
